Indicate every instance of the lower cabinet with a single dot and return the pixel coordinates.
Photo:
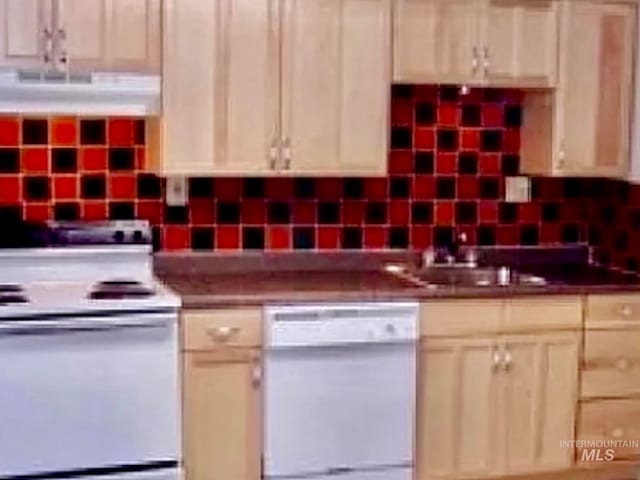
(496, 405)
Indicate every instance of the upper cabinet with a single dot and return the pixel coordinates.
(478, 42)
(261, 87)
(81, 35)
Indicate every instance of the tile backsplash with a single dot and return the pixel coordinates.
(448, 159)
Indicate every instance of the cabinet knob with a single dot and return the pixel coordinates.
(617, 432)
(222, 334)
(486, 61)
(625, 311)
(273, 155)
(474, 60)
(623, 364)
(286, 152)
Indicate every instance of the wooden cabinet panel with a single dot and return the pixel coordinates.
(607, 311)
(461, 317)
(206, 329)
(222, 416)
(457, 408)
(83, 39)
(435, 41)
(543, 314)
(22, 37)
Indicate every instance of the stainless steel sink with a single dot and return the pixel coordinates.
(475, 277)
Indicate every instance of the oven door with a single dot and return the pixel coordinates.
(89, 395)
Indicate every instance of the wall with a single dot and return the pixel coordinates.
(449, 156)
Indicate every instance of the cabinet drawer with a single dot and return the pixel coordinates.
(207, 329)
(611, 363)
(460, 317)
(548, 313)
(604, 311)
(611, 420)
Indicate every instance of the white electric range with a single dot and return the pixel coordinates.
(89, 384)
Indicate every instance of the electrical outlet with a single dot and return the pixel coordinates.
(177, 192)
(518, 189)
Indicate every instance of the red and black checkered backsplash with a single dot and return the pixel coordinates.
(449, 156)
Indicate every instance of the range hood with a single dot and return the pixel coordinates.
(61, 93)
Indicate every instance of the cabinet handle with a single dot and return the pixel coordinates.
(560, 160)
(286, 152)
(486, 61)
(497, 360)
(273, 155)
(47, 44)
(506, 365)
(256, 374)
(474, 61)
(222, 334)
(623, 364)
(625, 311)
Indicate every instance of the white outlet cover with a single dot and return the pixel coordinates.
(518, 189)
(177, 192)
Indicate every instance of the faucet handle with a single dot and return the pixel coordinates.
(428, 257)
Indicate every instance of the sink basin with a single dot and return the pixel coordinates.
(476, 277)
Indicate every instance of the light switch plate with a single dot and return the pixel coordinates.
(518, 189)
(177, 192)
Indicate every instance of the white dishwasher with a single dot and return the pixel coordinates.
(340, 391)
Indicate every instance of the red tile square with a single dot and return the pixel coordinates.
(570, 211)
(376, 188)
(278, 238)
(35, 160)
(511, 140)
(65, 187)
(473, 96)
(469, 231)
(426, 92)
(374, 237)
(399, 212)
(445, 213)
(512, 95)
(202, 212)
(470, 139)
(353, 212)
(549, 233)
(9, 131)
(93, 159)
(400, 161)
(424, 186)
(492, 115)
(37, 212)
(227, 188)
(529, 212)
(489, 163)
(141, 158)
(150, 210)
(401, 112)
(122, 187)
(279, 188)
(467, 187)
(64, 131)
(424, 138)
(448, 115)
(120, 132)
(304, 213)
(487, 211)
(253, 212)
(227, 237)
(97, 211)
(10, 189)
(329, 188)
(446, 163)
(328, 238)
(176, 237)
(507, 235)
(421, 237)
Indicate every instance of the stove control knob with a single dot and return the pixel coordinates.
(390, 328)
(118, 236)
(137, 236)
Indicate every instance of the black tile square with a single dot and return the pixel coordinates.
(149, 186)
(228, 213)
(443, 236)
(609, 215)
(399, 187)
(122, 159)
(9, 160)
(401, 138)
(512, 116)
(93, 187)
(466, 213)
(489, 188)
(550, 212)
(449, 93)
(35, 132)
(635, 219)
(10, 214)
(139, 132)
(398, 237)
(422, 213)
(156, 238)
(353, 188)
(304, 188)
(633, 264)
(64, 160)
(401, 91)
(93, 132)
(594, 234)
(253, 187)
(468, 163)
(122, 211)
(447, 139)
(486, 235)
(328, 213)
(66, 212)
(351, 238)
(510, 165)
(471, 116)
(570, 233)
(376, 213)
(201, 187)
(423, 162)
(491, 140)
(492, 95)
(445, 187)
(621, 241)
(278, 213)
(529, 235)
(253, 238)
(176, 215)
(572, 187)
(425, 113)
(508, 212)
(304, 238)
(202, 238)
(36, 188)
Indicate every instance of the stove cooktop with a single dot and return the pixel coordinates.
(120, 289)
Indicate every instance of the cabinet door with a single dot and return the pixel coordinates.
(436, 41)
(222, 416)
(520, 42)
(336, 80)
(82, 35)
(458, 404)
(22, 32)
(594, 96)
(541, 397)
